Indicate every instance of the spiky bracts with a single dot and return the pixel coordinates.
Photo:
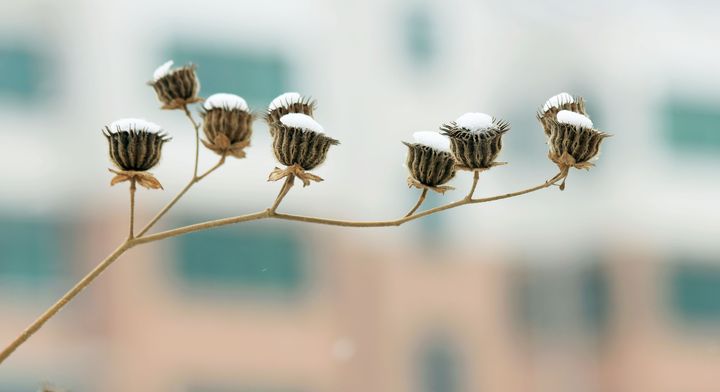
(573, 144)
(476, 149)
(176, 88)
(555, 104)
(288, 103)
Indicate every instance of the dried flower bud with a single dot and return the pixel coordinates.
(430, 162)
(287, 103)
(176, 88)
(227, 124)
(553, 105)
(299, 142)
(475, 140)
(135, 146)
(573, 140)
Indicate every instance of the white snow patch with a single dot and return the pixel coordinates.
(557, 100)
(475, 121)
(284, 100)
(572, 118)
(302, 121)
(134, 124)
(162, 70)
(433, 140)
(225, 101)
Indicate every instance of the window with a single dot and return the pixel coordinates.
(693, 125)
(33, 249)
(438, 366)
(257, 76)
(252, 257)
(23, 69)
(694, 289)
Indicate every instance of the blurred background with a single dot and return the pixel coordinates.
(612, 285)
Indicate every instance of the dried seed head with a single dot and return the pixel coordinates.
(135, 144)
(475, 140)
(573, 140)
(299, 140)
(555, 104)
(227, 124)
(288, 103)
(429, 160)
(176, 88)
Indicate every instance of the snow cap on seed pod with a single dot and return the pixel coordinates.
(176, 87)
(300, 143)
(135, 146)
(475, 140)
(227, 124)
(430, 161)
(290, 102)
(556, 103)
(573, 141)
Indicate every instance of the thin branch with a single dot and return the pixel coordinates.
(419, 202)
(289, 181)
(40, 321)
(266, 214)
(133, 187)
(476, 177)
(196, 126)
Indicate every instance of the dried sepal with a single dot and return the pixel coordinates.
(144, 179)
(439, 189)
(476, 150)
(429, 167)
(294, 171)
(176, 88)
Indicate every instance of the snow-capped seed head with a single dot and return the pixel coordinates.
(433, 140)
(476, 149)
(134, 124)
(227, 124)
(429, 161)
(299, 140)
(162, 70)
(572, 118)
(176, 88)
(225, 101)
(135, 144)
(285, 100)
(301, 121)
(474, 121)
(557, 101)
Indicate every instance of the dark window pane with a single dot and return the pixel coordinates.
(32, 249)
(259, 258)
(22, 71)
(438, 366)
(695, 291)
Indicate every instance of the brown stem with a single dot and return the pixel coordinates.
(196, 126)
(289, 181)
(40, 321)
(133, 187)
(89, 278)
(476, 177)
(419, 202)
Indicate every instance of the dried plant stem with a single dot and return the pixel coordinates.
(265, 214)
(133, 187)
(476, 177)
(419, 202)
(196, 126)
(289, 181)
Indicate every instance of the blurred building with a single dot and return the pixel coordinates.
(612, 285)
